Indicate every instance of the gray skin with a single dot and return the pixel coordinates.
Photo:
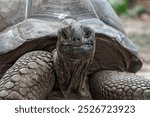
(47, 74)
(33, 75)
(63, 74)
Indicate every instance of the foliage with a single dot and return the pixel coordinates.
(120, 6)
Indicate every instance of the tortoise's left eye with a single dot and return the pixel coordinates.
(87, 32)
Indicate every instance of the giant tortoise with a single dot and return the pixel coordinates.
(66, 49)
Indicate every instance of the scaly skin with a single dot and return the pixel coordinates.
(31, 77)
(119, 85)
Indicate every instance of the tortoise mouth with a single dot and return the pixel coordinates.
(77, 51)
(78, 46)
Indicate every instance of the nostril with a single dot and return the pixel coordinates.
(76, 39)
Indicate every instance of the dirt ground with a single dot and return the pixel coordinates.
(138, 30)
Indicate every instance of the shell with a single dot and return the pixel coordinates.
(33, 25)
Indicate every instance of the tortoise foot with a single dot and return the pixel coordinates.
(119, 85)
(31, 77)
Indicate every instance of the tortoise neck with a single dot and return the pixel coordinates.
(71, 75)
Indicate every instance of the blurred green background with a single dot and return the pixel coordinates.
(127, 7)
(120, 6)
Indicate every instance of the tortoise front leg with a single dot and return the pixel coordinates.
(119, 85)
(31, 77)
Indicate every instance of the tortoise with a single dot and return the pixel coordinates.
(70, 49)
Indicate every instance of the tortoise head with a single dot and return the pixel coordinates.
(76, 41)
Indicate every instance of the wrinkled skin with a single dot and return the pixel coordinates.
(70, 61)
(63, 74)
(74, 53)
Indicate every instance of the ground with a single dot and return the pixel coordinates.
(138, 30)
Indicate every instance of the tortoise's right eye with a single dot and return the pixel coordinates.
(63, 34)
